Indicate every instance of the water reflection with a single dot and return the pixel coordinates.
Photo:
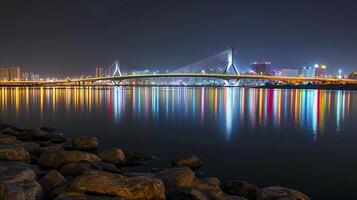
(227, 110)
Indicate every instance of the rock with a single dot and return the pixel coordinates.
(188, 160)
(187, 194)
(240, 188)
(238, 198)
(99, 182)
(51, 148)
(58, 159)
(133, 157)
(57, 138)
(81, 196)
(47, 129)
(207, 183)
(280, 193)
(18, 181)
(84, 143)
(109, 167)
(210, 186)
(78, 168)
(14, 153)
(39, 134)
(176, 178)
(51, 180)
(7, 138)
(44, 143)
(113, 155)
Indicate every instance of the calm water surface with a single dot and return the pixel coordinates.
(303, 139)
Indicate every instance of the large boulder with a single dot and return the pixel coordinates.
(18, 181)
(84, 143)
(39, 134)
(7, 138)
(58, 159)
(240, 188)
(188, 160)
(14, 153)
(105, 183)
(280, 193)
(51, 180)
(75, 169)
(176, 178)
(57, 138)
(113, 155)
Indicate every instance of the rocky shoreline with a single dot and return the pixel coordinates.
(44, 164)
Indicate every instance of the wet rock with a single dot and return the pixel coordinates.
(240, 188)
(176, 178)
(51, 180)
(58, 159)
(78, 168)
(51, 148)
(18, 181)
(14, 153)
(188, 160)
(100, 182)
(84, 143)
(113, 155)
(187, 194)
(280, 193)
(238, 198)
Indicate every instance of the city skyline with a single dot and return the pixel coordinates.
(59, 38)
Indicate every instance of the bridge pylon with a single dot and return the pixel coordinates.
(116, 66)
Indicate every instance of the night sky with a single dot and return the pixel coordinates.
(66, 38)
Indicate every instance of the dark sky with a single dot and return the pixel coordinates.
(70, 37)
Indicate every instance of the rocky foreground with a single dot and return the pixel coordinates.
(43, 164)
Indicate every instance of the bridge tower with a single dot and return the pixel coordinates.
(116, 66)
(231, 66)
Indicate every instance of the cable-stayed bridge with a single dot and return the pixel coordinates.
(221, 66)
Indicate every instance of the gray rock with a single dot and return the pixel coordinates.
(176, 178)
(58, 159)
(84, 143)
(240, 188)
(112, 155)
(105, 183)
(188, 160)
(280, 193)
(18, 181)
(14, 153)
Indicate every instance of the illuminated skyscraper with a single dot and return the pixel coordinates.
(262, 68)
(99, 72)
(320, 71)
(307, 72)
(10, 73)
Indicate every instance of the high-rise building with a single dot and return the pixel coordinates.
(307, 72)
(34, 77)
(99, 72)
(353, 75)
(262, 68)
(10, 73)
(289, 72)
(320, 71)
(25, 76)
